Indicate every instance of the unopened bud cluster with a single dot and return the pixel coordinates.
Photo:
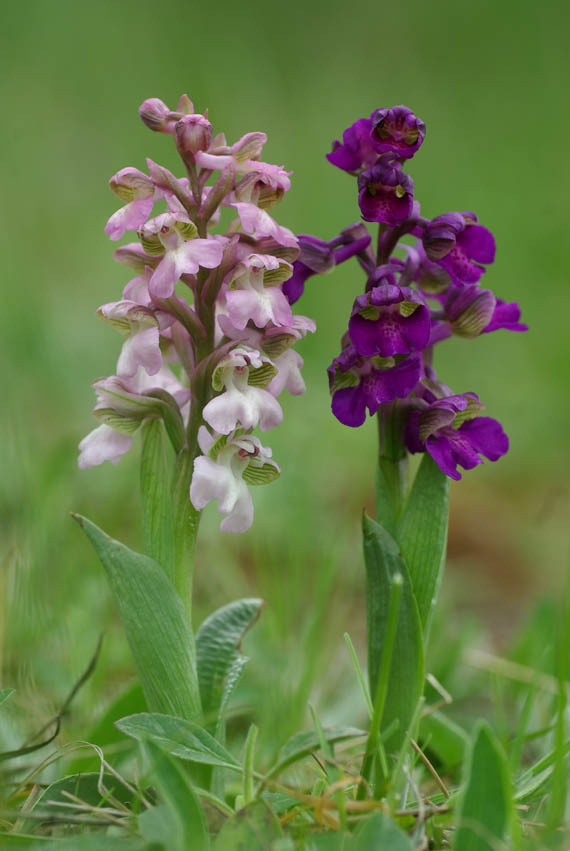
(208, 328)
(417, 294)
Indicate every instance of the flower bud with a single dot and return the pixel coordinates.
(192, 133)
(440, 235)
(469, 310)
(130, 184)
(397, 130)
(157, 116)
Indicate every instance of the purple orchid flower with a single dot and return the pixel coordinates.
(450, 430)
(397, 130)
(506, 315)
(356, 150)
(460, 245)
(318, 257)
(389, 320)
(386, 193)
(358, 383)
(469, 310)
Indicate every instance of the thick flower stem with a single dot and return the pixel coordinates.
(392, 475)
(186, 522)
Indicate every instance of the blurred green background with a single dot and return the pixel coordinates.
(490, 81)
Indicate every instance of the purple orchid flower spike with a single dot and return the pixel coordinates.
(396, 130)
(357, 383)
(386, 193)
(389, 320)
(460, 245)
(453, 433)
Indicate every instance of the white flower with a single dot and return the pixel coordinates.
(242, 405)
(222, 479)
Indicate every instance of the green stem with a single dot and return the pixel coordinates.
(392, 475)
(186, 522)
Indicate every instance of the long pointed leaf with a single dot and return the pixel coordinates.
(422, 535)
(405, 684)
(157, 630)
(485, 808)
(186, 828)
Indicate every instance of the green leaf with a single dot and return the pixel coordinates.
(184, 823)
(422, 535)
(155, 623)
(82, 786)
(302, 744)
(5, 694)
(251, 829)
(405, 684)
(158, 527)
(178, 737)
(330, 841)
(445, 738)
(379, 831)
(218, 643)
(485, 808)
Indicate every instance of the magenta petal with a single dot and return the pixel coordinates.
(486, 436)
(385, 385)
(458, 265)
(442, 453)
(348, 406)
(478, 243)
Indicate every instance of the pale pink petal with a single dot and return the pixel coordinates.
(141, 349)
(270, 413)
(241, 516)
(165, 276)
(212, 481)
(288, 376)
(205, 252)
(137, 290)
(129, 217)
(103, 444)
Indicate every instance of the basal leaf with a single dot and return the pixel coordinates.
(178, 737)
(486, 806)
(445, 738)
(185, 825)
(155, 623)
(405, 684)
(302, 744)
(379, 832)
(422, 535)
(253, 828)
(218, 642)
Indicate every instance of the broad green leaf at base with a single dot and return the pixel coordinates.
(486, 804)
(155, 624)
(384, 562)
